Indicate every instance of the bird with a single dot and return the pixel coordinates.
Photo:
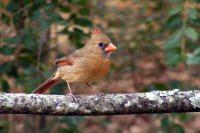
(87, 64)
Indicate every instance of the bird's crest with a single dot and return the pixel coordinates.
(95, 30)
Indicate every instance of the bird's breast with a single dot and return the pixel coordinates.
(85, 70)
(97, 68)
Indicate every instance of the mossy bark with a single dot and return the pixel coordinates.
(111, 104)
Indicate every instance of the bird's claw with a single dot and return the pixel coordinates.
(74, 98)
(99, 94)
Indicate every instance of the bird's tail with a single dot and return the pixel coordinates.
(47, 84)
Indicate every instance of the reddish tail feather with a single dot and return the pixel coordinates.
(46, 85)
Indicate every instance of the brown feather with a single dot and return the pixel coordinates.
(95, 30)
(68, 60)
(47, 84)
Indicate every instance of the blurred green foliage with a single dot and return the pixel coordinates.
(182, 20)
(170, 126)
(30, 20)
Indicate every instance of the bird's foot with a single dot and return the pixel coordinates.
(74, 98)
(99, 94)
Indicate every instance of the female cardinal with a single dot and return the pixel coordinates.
(84, 65)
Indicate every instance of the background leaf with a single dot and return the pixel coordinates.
(191, 33)
(13, 40)
(174, 40)
(192, 13)
(175, 10)
(6, 50)
(4, 86)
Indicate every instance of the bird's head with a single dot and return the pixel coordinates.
(100, 43)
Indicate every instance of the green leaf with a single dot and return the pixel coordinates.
(82, 2)
(4, 124)
(178, 128)
(84, 11)
(64, 9)
(175, 84)
(76, 37)
(31, 81)
(25, 61)
(44, 24)
(106, 121)
(191, 44)
(191, 33)
(196, 21)
(58, 89)
(82, 22)
(48, 8)
(13, 6)
(4, 86)
(29, 71)
(6, 50)
(182, 117)
(72, 16)
(29, 40)
(174, 21)
(192, 13)
(193, 60)
(164, 122)
(70, 121)
(197, 52)
(155, 86)
(5, 18)
(18, 18)
(25, 31)
(25, 2)
(176, 0)
(44, 66)
(65, 130)
(6, 67)
(55, 17)
(175, 10)
(174, 40)
(172, 58)
(46, 74)
(39, 2)
(197, 1)
(36, 14)
(13, 40)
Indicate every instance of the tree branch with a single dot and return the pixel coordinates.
(111, 104)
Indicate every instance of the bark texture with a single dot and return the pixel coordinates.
(110, 104)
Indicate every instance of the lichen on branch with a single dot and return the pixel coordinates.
(110, 104)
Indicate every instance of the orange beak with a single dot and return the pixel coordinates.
(110, 47)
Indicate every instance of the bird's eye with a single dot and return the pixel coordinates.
(100, 44)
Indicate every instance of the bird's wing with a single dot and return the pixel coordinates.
(70, 59)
